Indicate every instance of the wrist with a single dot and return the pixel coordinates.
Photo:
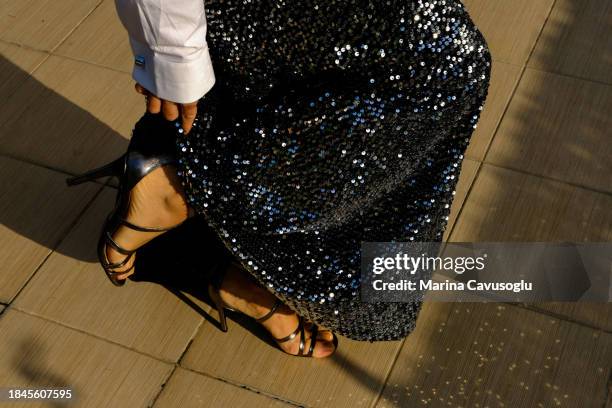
(181, 80)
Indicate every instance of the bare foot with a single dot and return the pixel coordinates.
(241, 292)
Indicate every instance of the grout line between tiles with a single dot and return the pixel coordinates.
(535, 43)
(95, 64)
(98, 337)
(517, 84)
(549, 178)
(55, 54)
(545, 312)
(178, 362)
(558, 316)
(497, 126)
(162, 386)
(576, 77)
(46, 167)
(246, 387)
(69, 33)
(68, 229)
(36, 269)
(551, 71)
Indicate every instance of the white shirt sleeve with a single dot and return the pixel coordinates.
(168, 39)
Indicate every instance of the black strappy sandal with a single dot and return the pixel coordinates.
(213, 292)
(151, 146)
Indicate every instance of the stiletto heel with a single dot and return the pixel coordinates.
(220, 306)
(214, 288)
(213, 292)
(222, 318)
(114, 168)
(151, 146)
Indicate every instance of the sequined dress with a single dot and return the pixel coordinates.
(332, 123)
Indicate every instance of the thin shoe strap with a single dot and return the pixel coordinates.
(115, 265)
(313, 339)
(110, 273)
(271, 312)
(292, 335)
(147, 229)
(302, 336)
(110, 265)
(117, 247)
(129, 252)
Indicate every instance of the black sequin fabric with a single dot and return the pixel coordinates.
(332, 123)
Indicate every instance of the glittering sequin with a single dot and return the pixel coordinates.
(332, 123)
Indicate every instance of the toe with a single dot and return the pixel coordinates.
(124, 276)
(326, 335)
(322, 334)
(323, 346)
(323, 349)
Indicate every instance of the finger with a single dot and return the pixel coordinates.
(170, 110)
(140, 89)
(188, 114)
(154, 104)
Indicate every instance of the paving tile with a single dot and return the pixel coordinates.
(100, 39)
(188, 389)
(466, 178)
(511, 27)
(37, 210)
(557, 127)
(504, 78)
(41, 24)
(505, 205)
(43, 354)
(16, 65)
(500, 356)
(143, 316)
(577, 40)
(596, 315)
(70, 115)
(351, 378)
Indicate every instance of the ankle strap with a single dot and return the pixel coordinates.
(147, 229)
(271, 312)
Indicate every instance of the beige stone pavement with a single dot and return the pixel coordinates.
(539, 168)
